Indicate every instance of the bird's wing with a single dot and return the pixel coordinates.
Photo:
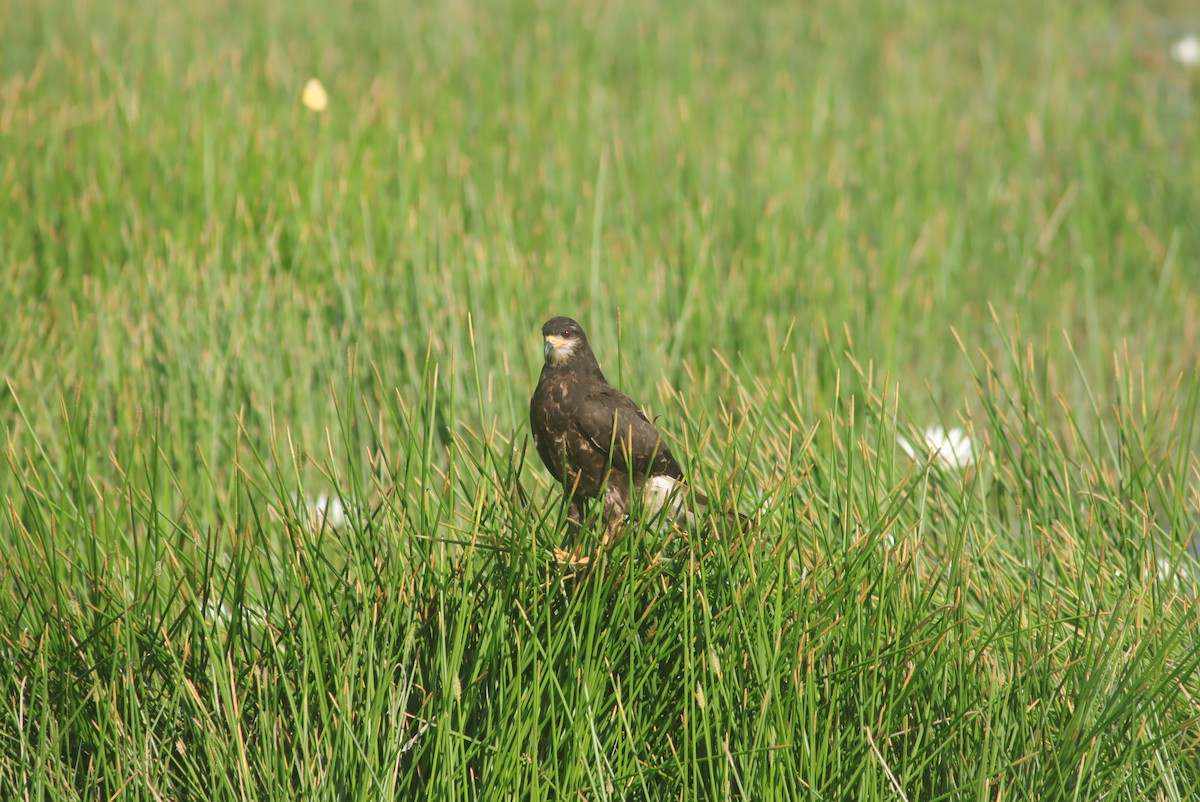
(618, 427)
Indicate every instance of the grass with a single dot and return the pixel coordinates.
(794, 233)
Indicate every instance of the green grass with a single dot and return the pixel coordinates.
(795, 234)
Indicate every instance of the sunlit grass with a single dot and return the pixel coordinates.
(273, 527)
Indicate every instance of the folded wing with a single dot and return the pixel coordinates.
(616, 426)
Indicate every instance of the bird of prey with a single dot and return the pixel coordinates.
(595, 440)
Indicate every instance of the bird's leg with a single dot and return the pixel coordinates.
(616, 504)
(576, 510)
(613, 529)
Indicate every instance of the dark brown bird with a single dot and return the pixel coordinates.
(594, 439)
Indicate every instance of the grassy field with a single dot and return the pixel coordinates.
(273, 527)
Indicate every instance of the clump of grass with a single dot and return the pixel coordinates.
(889, 628)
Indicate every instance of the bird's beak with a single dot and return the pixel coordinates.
(552, 341)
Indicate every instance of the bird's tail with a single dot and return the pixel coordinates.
(685, 507)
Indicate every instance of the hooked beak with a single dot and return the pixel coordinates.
(557, 348)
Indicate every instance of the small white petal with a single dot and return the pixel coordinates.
(330, 511)
(961, 450)
(952, 449)
(335, 514)
(1187, 51)
(1169, 572)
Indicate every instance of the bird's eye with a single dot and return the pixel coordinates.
(568, 334)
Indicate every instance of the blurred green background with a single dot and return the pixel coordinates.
(688, 177)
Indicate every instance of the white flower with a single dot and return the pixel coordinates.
(1187, 50)
(1164, 571)
(327, 510)
(314, 96)
(953, 448)
(1167, 572)
(322, 511)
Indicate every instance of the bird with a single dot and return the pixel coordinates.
(597, 442)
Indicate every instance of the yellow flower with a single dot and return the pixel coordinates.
(315, 97)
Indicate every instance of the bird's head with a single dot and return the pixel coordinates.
(563, 338)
